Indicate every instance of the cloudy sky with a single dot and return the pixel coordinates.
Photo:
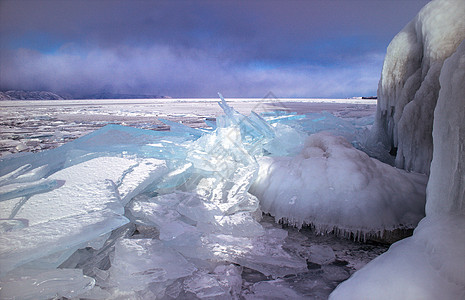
(314, 48)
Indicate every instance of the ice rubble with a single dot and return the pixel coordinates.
(431, 263)
(148, 214)
(409, 85)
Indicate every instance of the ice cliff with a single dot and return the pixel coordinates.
(409, 85)
(431, 263)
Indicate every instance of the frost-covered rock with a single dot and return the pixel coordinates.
(409, 85)
(431, 263)
(331, 185)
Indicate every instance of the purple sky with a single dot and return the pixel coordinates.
(319, 48)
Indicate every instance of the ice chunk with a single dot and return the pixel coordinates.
(70, 200)
(229, 277)
(16, 190)
(86, 193)
(263, 253)
(32, 175)
(30, 243)
(321, 254)
(288, 141)
(204, 286)
(153, 213)
(111, 140)
(69, 283)
(139, 262)
(333, 186)
(5, 179)
(224, 282)
(181, 128)
(325, 121)
(274, 289)
(176, 229)
(134, 181)
(238, 224)
(198, 208)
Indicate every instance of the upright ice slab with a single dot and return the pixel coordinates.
(409, 85)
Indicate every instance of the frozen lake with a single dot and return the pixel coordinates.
(27, 126)
(37, 125)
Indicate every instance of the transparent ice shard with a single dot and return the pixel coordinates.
(33, 242)
(5, 179)
(181, 128)
(278, 289)
(16, 190)
(203, 285)
(263, 253)
(152, 213)
(139, 262)
(69, 283)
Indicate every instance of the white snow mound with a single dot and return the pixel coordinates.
(331, 185)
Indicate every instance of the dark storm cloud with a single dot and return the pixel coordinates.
(196, 48)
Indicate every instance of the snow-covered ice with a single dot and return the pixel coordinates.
(185, 195)
(409, 85)
(127, 212)
(431, 263)
(332, 186)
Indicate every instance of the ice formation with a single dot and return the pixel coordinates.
(409, 84)
(132, 213)
(331, 185)
(431, 263)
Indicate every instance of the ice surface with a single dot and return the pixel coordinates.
(333, 186)
(57, 283)
(194, 227)
(431, 263)
(409, 85)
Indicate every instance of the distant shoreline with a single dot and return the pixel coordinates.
(9, 103)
